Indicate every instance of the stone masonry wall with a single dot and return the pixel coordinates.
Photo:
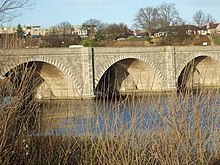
(85, 66)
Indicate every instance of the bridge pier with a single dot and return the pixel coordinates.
(87, 73)
(170, 70)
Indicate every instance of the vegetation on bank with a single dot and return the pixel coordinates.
(180, 129)
(196, 40)
(216, 40)
(159, 129)
(123, 43)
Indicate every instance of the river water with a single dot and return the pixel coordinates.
(161, 112)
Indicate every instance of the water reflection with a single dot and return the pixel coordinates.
(131, 114)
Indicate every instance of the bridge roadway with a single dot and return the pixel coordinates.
(84, 72)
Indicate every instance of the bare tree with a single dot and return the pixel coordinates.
(61, 35)
(93, 26)
(9, 8)
(168, 15)
(62, 28)
(182, 36)
(150, 18)
(199, 18)
(146, 18)
(209, 18)
(114, 31)
(94, 22)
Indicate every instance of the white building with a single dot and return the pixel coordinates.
(28, 30)
(80, 31)
(35, 30)
(8, 30)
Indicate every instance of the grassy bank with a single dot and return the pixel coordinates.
(216, 40)
(186, 40)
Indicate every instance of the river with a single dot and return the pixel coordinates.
(155, 112)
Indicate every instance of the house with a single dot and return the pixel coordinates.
(80, 30)
(213, 28)
(8, 30)
(28, 30)
(193, 30)
(139, 33)
(163, 32)
(35, 30)
(160, 33)
(181, 29)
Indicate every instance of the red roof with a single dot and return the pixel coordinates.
(213, 25)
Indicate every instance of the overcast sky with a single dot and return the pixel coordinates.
(50, 12)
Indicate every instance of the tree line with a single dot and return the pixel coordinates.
(63, 34)
(148, 19)
(166, 15)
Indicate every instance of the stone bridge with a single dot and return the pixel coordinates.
(85, 72)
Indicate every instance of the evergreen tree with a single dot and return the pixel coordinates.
(20, 32)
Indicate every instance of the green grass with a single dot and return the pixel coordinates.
(216, 40)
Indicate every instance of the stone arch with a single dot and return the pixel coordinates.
(201, 68)
(129, 74)
(55, 63)
(111, 62)
(215, 56)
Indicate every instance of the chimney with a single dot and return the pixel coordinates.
(199, 24)
(207, 25)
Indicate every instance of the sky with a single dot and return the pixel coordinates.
(47, 13)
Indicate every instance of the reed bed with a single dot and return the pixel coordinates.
(151, 129)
